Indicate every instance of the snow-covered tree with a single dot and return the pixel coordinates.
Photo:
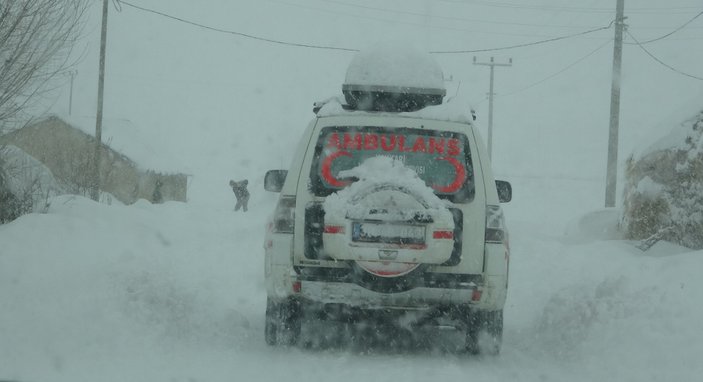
(664, 190)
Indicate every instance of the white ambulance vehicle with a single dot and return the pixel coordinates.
(389, 211)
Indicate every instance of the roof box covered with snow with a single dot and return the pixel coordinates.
(393, 78)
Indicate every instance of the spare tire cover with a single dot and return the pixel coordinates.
(382, 207)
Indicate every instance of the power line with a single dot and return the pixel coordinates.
(525, 44)
(660, 61)
(327, 47)
(301, 45)
(395, 21)
(672, 32)
(559, 72)
(663, 27)
(442, 17)
(643, 10)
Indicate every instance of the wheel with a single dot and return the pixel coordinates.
(283, 322)
(485, 332)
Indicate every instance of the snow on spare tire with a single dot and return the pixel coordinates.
(388, 197)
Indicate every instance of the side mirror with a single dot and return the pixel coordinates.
(505, 191)
(274, 179)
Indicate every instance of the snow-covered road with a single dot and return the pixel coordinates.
(174, 292)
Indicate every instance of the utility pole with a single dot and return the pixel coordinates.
(492, 65)
(72, 73)
(612, 170)
(95, 186)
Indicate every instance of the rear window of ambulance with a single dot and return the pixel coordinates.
(442, 159)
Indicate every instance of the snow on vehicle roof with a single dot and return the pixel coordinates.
(396, 65)
(453, 110)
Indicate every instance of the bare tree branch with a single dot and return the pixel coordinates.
(36, 42)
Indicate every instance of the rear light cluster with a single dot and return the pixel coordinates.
(334, 229)
(443, 235)
(496, 231)
(476, 295)
(284, 215)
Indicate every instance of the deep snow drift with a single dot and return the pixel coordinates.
(175, 292)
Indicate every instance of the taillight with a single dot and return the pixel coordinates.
(476, 295)
(297, 286)
(334, 229)
(443, 235)
(496, 231)
(284, 215)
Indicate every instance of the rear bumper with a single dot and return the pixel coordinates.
(489, 295)
(353, 295)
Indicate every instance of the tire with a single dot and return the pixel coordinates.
(485, 332)
(283, 322)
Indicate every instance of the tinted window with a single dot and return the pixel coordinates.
(442, 159)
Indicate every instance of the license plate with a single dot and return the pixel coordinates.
(370, 232)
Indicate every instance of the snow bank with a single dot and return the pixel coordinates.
(595, 226)
(603, 311)
(97, 292)
(27, 177)
(175, 292)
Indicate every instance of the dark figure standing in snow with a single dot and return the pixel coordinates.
(157, 197)
(241, 193)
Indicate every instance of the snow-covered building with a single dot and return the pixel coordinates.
(68, 152)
